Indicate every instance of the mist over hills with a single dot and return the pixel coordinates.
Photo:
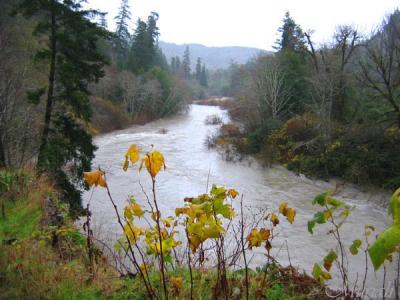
(213, 57)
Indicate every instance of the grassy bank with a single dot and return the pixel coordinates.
(42, 255)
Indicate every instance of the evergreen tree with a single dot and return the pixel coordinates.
(186, 63)
(144, 47)
(294, 59)
(139, 56)
(178, 64)
(122, 35)
(103, 21)
(198, 69)
(292, 37)
(152, 33)
(173, 65)
(161, 61)
(203, 77)
(74, 62)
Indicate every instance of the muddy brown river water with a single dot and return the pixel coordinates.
(190, 165)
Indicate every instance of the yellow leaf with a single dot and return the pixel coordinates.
(137, 210)
(145, 268)
(176, 283)
(233, 193)
(153, 161)
(133, 155)
(288, 212)
(133, 232)
(127, 213)
(256, 237)
(168, 222)
(290, 215)
(95, 178)
(126, 164)
(283, 207)
(274, 219)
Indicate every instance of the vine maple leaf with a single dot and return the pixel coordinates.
(131, 155)
(95, 178)
(256, 237)
(153, 161)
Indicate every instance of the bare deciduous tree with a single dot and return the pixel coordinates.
(381, 67)
(16, 146)
(269, 87)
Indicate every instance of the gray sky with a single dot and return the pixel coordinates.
(251, 23)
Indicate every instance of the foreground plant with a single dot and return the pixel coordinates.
(335, 213)
(204, 221)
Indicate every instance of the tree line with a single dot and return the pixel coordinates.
(62, 73)
(329, 109)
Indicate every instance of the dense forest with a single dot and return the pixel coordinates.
(65, 77)
(323, 110)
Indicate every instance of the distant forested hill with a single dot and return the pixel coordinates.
(213, 57)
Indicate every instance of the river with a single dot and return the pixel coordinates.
(190, 166)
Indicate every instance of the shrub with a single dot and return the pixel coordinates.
(213, 120)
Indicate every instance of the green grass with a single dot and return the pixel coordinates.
(21, 220)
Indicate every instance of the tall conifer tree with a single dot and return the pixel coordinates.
(122, 35)
(186, 63)
(74, 62)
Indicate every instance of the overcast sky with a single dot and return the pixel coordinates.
(251, 23)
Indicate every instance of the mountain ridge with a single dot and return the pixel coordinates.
(219, 57)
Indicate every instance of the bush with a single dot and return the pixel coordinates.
(213, 120)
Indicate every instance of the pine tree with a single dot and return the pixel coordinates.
(139, 55)
(178, 65)
(292, 37)
(198, 69)
(144, 48)
(103, 21)
(203, 77)
(186, 63)
(122, 26)
(173, 65)
(293, 58)
(74, 62)
(152, 33)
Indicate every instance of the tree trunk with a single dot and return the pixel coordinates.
(50, 92)
(2, 154)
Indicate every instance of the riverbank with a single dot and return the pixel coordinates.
(349, 159)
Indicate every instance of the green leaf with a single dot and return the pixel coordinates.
(388, 240)
(345, 213)
(218, 192)
(319, 274)
(319, 218)
(394, 207)
(168, 258)
(335, 203)
(223, 209)
(355, 246)
(320, 199)
(384, 245)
